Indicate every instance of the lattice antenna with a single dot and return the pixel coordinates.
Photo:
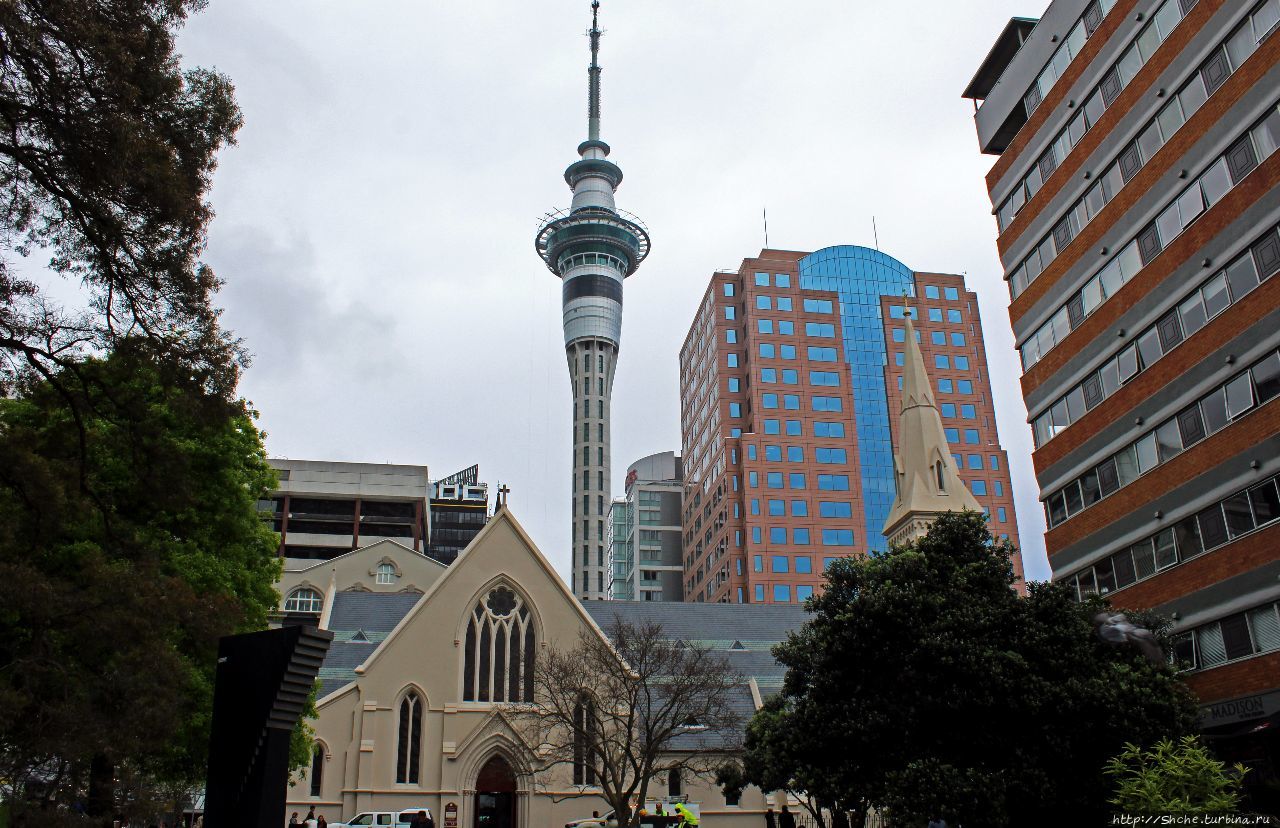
(593, 75)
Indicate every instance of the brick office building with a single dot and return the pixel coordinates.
(789, 381)
(1136, 203)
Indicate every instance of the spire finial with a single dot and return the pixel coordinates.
(593, 76)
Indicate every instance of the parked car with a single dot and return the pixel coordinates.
(389, 819)
(606, 821)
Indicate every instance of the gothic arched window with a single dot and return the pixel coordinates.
(409, 746)
(305, 599)
(317, 768)
(942, 481)
(386, 573)
(497, 657)
(583, 743)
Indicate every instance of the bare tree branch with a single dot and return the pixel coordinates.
(625, 711)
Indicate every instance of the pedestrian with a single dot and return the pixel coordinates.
(786, 819)
(421, 820)
(293, 821)
(770, 818)
(311, 818)
(321, 822)
(688, 817)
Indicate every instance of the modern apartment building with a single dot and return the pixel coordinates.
(459, 510)
(645, 558)
(789, 382)
(1136, 203)
(324, 509)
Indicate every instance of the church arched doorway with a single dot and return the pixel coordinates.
(495, 805)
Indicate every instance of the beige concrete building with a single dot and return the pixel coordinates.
(415, 685)
(308, 588)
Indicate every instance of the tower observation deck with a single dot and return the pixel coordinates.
(591, 247)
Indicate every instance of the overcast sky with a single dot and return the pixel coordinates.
(375, 222)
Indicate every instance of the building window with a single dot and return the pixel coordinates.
(804, 565)
(759, 593)
(317, 768)
(304, 599)
(409, 745)
(386, 573)
(583, 729)
(782, 280)
(942, 479)
(804, 593)
(837, 537)
(782, 593)
(499, 649)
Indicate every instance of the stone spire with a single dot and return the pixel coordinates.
(928, 482)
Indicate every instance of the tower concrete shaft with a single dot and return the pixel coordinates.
(592, 247)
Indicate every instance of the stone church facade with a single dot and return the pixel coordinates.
(414, 686)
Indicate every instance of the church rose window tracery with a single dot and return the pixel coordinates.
(498, 651)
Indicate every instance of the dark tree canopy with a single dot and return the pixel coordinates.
(924, 685)
(106, 152)
(122, 560)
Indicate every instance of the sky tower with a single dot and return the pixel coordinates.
(591, 247)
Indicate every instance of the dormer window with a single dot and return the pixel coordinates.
(386, 573)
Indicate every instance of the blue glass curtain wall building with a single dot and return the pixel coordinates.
(860, 276)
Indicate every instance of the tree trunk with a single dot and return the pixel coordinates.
(102, 799)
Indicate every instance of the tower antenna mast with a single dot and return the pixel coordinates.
(593, 75)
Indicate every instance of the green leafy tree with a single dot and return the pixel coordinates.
(107, 152)
(924, 683)
(1174, 778)
(129, 543)
(776, 758)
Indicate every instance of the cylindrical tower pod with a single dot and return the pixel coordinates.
(592, 248)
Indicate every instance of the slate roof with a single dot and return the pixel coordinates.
(743, 633)
(373, 613)
(757, 626)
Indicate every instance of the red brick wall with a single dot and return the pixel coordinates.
(1258, 185)
(1121, 15)
(1249, 431)
(1263, 300)
(1086, 244)
(1242, 678)
(1238, 556)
